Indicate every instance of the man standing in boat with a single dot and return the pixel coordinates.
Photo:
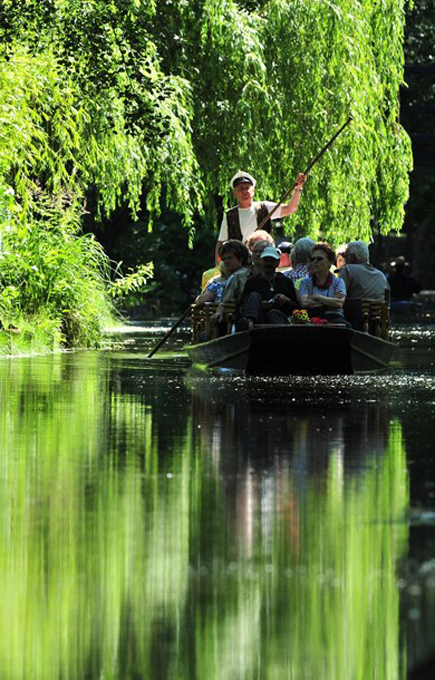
(243, 219)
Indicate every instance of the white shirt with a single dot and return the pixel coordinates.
(248, 220)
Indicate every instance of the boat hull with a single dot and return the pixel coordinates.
(295, 350)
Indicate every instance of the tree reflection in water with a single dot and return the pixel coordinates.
(163, 526)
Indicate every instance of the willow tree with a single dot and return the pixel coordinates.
(69, 104)
(270, 86)
(177, 95)
(154, 105)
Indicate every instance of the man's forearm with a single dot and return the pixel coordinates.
(292, 205)
(334, 303)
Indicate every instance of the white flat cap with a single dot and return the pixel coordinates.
(241, 177)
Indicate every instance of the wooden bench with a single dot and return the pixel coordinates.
(202, 323)
(365, 315)
(369, 316)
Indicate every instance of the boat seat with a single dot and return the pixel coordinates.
(202, 326)
(369, 316)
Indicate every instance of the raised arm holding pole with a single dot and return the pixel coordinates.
(305, 173)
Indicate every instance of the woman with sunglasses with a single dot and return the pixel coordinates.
(321, 293)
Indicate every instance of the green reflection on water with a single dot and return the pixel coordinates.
(127, 553)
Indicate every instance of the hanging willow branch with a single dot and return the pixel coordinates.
(155, 105)
(310, 165)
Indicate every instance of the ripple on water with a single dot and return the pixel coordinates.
(399, 387)
(417, 333)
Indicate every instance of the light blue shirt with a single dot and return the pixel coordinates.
(217, 286)
(308, 288)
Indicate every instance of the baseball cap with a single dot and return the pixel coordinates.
(270, 251)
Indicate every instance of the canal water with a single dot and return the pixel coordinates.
(159, 522)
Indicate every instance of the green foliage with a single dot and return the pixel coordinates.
(134, 282)
(154, 105)
(111, 116)
(270, 87)
(174, 97)
(31, 333)
(52, 272)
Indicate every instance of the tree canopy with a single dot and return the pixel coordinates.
(155, 105)
(168, 98)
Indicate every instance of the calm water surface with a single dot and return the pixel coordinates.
(163, 523)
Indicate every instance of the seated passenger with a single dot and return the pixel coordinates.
(403, 285)
(321, 293)
(235, 258)
(268, 297)
(256, 261)
(299, 257)
(259, 235)
(340, 259)
(362, 280)
(235, 284)
(285, 248)
(214, 289)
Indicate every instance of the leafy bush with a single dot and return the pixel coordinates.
(44, 267)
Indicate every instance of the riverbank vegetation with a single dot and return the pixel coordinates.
(144, 107)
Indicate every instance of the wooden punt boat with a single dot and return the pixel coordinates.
(296, 349)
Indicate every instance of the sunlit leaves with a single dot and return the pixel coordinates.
(178, 95)
(155, 105)
(132, 282)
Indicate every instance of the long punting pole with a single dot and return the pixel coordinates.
(261, 225)
(306, 171)
(171, 330)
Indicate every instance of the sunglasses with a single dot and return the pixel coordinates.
(317, 259)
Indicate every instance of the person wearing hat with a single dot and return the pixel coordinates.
(285, 248)
(403, 286)
(243, 219)
(268, 297)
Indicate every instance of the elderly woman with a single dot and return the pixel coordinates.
(321, 293)
(257, 236)
(299, 258)
(235, 257)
